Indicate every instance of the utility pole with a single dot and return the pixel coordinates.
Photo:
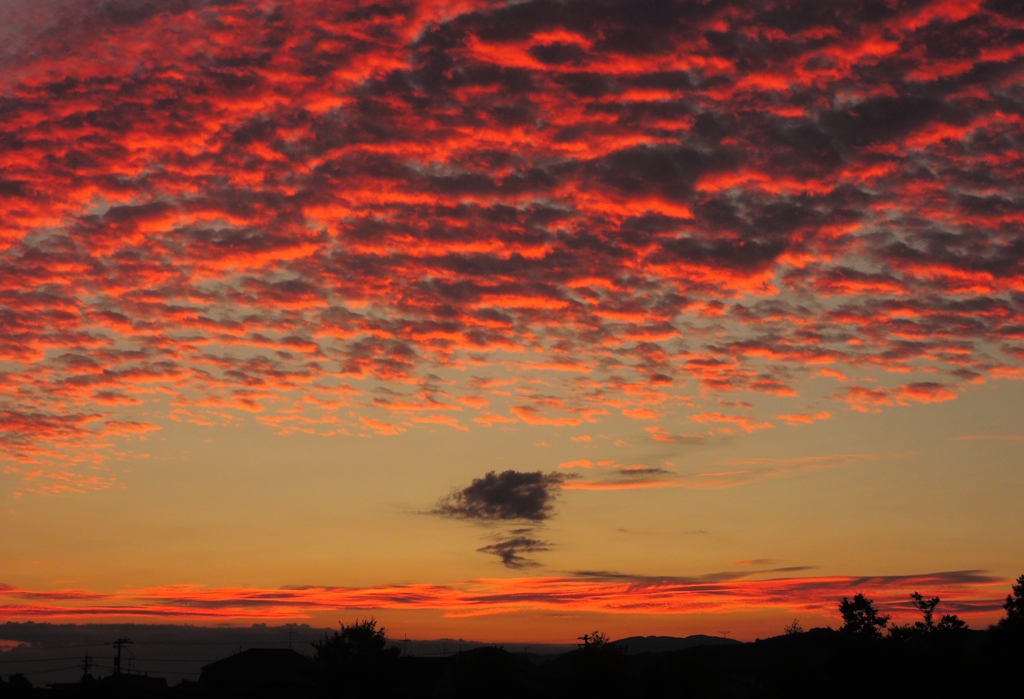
(725, 633)
(86, 665)
(119, 644)
(291, 632)
(586, 640)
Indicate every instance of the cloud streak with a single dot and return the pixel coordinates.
(510, 550)
(728, 474)
(970, 593)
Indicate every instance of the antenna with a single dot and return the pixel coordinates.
(86, 665)
(725, 633)
(291, 633)
(119, 644)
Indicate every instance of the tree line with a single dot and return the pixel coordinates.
(861, 619)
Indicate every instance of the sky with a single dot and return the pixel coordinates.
(510, 320)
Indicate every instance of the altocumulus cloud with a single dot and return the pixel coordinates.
(216, 209)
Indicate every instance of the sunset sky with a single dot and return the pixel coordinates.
(512, 320)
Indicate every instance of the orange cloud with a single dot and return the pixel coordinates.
(382, 428)
(969, 593)
(803, 418)
(442, 420)
(926, 392)
(864, 399)
(532, 416)
(578, 463)
(742, 421)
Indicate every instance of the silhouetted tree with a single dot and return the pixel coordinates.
(359, 641)
(947, 624)
(600, 669)
(927, 607)
(357, 655)
(950, 622)
(598, 640)
(794, 628)
(1011, 626)
(1014, 604)
(860, 618)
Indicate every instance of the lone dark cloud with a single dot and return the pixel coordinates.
(510, 550)
(508, 495)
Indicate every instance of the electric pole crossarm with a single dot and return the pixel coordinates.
(119, 644)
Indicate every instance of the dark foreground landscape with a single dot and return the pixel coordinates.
(865, 657)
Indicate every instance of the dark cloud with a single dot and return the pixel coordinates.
(880, 120)
(509, 495)
(510, 550)
(724, 576)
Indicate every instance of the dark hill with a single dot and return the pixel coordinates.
(634, 645)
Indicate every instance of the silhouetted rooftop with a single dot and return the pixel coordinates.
(264, 667)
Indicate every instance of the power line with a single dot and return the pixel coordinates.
(52, 669)
(136, 659)
(41, 660)
(170, 660)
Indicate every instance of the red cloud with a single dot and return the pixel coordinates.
(970, 593)
(213, 213)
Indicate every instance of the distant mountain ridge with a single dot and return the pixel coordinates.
(634, 645)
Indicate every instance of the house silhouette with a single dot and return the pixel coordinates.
(263, 671)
